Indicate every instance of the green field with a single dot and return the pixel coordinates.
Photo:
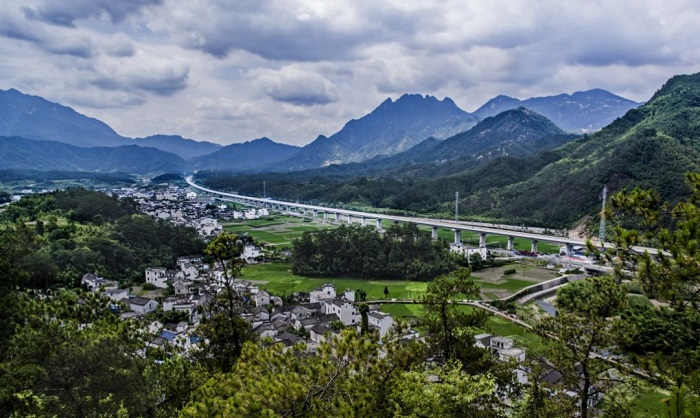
(278, 279)
(282, 229)
(276, 230)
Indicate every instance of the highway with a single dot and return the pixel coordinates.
(435, 223)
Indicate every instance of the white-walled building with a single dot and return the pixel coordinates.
(157, 276)
(345, 311)
(381, 321)
(327, 291)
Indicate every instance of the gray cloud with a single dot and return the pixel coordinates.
(294, 85)
(65, 13)
(136, 75)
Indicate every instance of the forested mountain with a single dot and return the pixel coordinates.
(26, 154)
(392, 127)
(184, 147)
(517, 132)
(651, 146)
(583, 111)
(246, 156)
(36, 118)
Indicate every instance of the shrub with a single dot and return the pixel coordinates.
(508, 271)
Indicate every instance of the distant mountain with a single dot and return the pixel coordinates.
(27, 154)
(394, 126)
(517, 132)
(184, 147)
(36, 118)
(33, 117)
(247, 156)
(583, 111)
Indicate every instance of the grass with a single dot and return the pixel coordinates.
(649, 403)
(278, 279)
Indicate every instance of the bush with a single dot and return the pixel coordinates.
(149, 286)
(508, 271)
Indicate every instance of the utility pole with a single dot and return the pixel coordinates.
(264, 193)
(456, 207)
(601, 232)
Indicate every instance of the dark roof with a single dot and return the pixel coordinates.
(136, 300)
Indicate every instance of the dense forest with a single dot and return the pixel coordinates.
(77, 231)
(401, 252)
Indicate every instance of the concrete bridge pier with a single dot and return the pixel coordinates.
(379, 224)
(533, 246)
(363, 221)
(337, 216)
(315, 214)
(325, 216)
(482, 240)
(435, 232)
(458, 236)
(569, 249)
(510, 246)
(349, 218)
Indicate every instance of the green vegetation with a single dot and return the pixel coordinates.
(402, 251)
(651, 146)
(79, 231)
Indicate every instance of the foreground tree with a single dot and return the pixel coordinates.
(450, 326)
(350, 376)
(584, 325)
(223, 329)
(640, 218)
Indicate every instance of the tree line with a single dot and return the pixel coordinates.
(403, 251)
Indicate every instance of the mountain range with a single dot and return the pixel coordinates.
(583, 111)
(415, 128)
(557, 185)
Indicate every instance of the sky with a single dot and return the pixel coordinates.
(230, 71)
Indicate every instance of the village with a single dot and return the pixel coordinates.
(306, 317)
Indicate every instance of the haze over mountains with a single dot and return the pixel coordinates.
(393, 128)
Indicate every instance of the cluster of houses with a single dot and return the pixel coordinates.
(194, 283)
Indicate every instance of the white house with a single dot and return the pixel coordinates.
(466, 251)
(142, 305)
(157, 276)
(261, 298)
(95, 283)
(116, 294)
(327, 291)
(381, 321)
(251, 253)
(344, 310)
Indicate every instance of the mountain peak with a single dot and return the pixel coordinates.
(582, 111)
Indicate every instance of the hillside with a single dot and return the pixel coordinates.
(26, 154)
(36, 118)
(651, 147)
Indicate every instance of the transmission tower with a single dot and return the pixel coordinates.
(601, 232)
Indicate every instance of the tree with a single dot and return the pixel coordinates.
(386, 292)
(73, 357)
(584, 325)
(475, 261)
(224, 330)
(450, 328)
(350, 375)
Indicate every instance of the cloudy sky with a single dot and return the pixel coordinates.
(230, 71)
